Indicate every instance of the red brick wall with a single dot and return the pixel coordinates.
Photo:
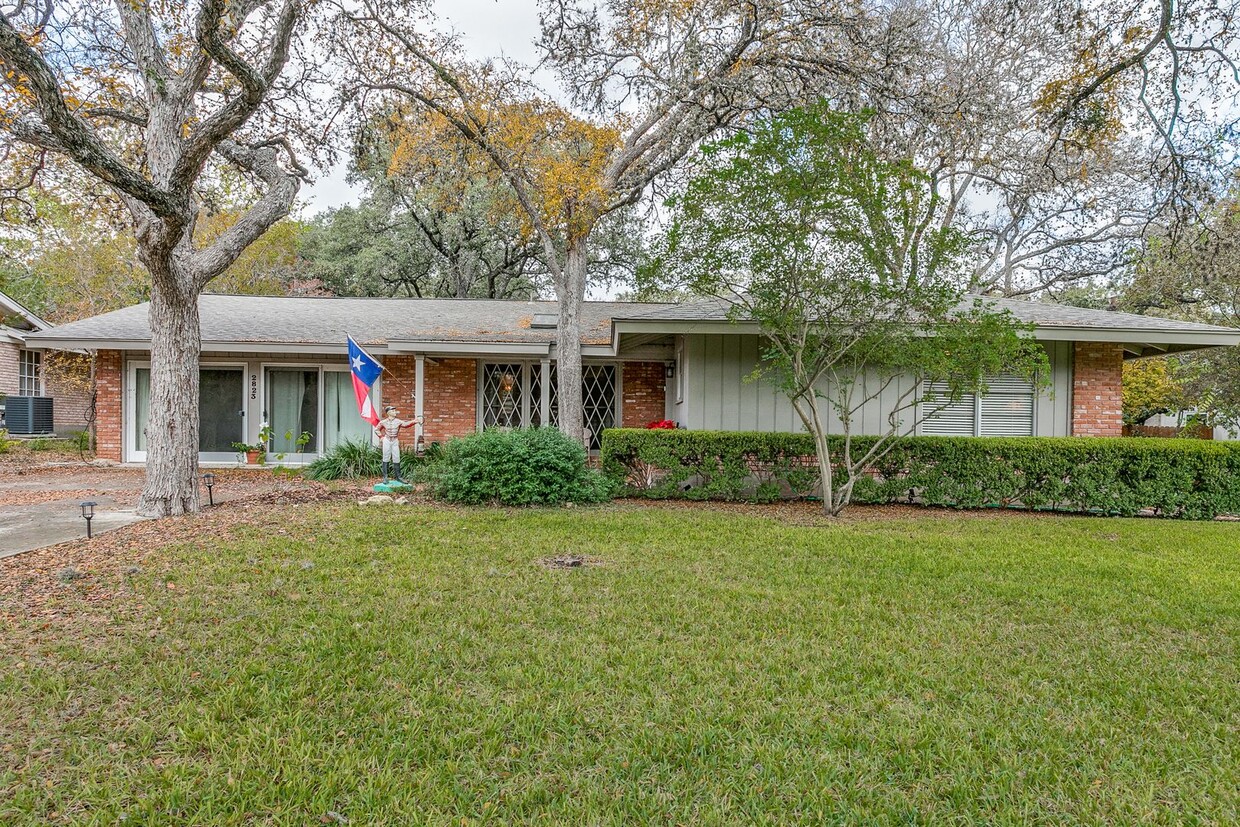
(398, 383)
(450, 399)
(1097, 389)
(108, 405)
(449, 395)
(644, 392)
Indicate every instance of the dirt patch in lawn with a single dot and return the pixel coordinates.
(569, 561)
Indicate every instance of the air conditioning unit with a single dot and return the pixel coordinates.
(28, 415)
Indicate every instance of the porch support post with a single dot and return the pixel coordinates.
(544, 385)
(419, 371)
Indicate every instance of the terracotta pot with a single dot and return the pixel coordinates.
(253, 457)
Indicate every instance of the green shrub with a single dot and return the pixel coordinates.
(40, 443)
(536, 466)
(80, 440)
(5, 442)
(1190, 479)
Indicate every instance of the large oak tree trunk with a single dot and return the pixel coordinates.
(568, 344)
(172, 424)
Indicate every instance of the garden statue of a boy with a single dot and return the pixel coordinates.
(388, 433)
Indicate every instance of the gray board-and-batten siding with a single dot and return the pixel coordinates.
(710, 391)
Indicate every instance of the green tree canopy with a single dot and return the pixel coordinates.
(804, 228)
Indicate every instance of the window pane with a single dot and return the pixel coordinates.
(220, 400)
(142, 406)
(598, 397)
(293, 409)
(29, 373)
(502, 396)
(341, 421)
(1007, 408)
(949, 418)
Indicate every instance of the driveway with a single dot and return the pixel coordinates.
(40, 505)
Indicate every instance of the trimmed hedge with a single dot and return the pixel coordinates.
(1188, 479)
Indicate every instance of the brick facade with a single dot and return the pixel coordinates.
(71, 403)
(1097, 389)
(108, 405)
(645, 394)
(450, 398)
(449, 395)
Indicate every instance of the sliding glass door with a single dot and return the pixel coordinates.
(341, 420)
(293, 413)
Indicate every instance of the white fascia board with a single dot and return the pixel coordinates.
(449, 348)
(1192, 338)
(599, 351)
(53, 343)
(11, 305)
(701, 326)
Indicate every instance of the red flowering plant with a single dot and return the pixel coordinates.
(661, 425)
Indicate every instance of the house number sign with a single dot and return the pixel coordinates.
(254, 386)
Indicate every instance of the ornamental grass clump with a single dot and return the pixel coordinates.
(350, 460)
(529, 466)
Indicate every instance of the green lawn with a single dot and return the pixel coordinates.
(410, 666)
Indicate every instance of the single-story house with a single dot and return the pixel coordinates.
(467, 364)
(28, 392)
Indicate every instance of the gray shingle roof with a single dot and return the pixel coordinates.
(1030, 312)
(277, 320)
(272, 320)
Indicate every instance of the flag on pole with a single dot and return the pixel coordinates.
(365, 372)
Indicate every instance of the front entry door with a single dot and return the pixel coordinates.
(221, 413)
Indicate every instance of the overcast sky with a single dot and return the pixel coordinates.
(490, 28)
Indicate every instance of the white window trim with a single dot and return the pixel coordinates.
(40, 381)
(129, 412)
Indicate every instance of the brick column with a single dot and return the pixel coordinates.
(108, 423)
(1097, 389)
(644, 392)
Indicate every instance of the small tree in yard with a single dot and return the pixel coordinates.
(832, 250)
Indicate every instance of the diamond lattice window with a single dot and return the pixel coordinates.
(502, 396)
(598, 397)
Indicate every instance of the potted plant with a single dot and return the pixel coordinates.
(255, 452)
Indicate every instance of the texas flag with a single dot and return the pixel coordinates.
(365, 371)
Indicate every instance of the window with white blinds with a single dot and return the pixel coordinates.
(1006, 409)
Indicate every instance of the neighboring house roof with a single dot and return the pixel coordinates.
(313, 324)
(1143, 335)
(16, 334)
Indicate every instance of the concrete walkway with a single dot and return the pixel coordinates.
(45, 509)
